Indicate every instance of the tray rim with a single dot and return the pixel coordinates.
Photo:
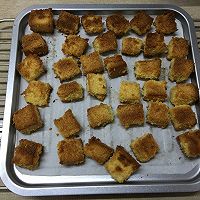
(35, 190)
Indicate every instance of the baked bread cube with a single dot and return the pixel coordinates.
(37, 93)
(100, 115)
(118, 24)
(148, 69)
(70, 152)
(70, 92)
(121, 165)
(74, 45)
(141, 23)
(184, 94)
(115, 66)
(27, 154)
(41, 21)
(145, 147)
(180, 69)
(27, 119)
(158, 114)
(96, 86)
(165, 23)
(129, 92)
(31, 67)
(34, 44)
(97, 150)
(190, 143)
(92, 24)
(132, 46)
(154, 90)
(105, 42)
(177, 48)
(66, 69)
(182, 117)
(67, 124)
(154, 45)
(130, 115)
(68, 23)
(92, 63)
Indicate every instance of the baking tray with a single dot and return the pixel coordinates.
(170, 171)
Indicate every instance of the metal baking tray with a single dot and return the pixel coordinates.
(169, 171)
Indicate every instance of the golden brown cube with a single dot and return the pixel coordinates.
(154, 90)
(141, 23)
(97, 150)
(148, 69)
(100, 115)
(129, 92)
(165, 23)
(180, 69)
(27, 154)
(92, 24)
(158, 114)
(96, 86)
(67, 124)
(70, 152)
(118, 24)
(38, 93)
(69, 92)
(130, 114)
(31, 67)
(27, 119)
(177, 48)
(154, 44)
(105, 42)
(132, 46)
(115, 66)
(184, 93)
(92, 63)
(190, 143)
(34, 44)
(74, 45)
(145, 147)
(41, 21)
(68, 23)
(66, 69)
(182, 117)
(121, 165)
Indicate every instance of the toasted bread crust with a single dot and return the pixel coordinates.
(100, 115)
(184, 94)
(148, 69)
(182, 117)
(105, 42)
(41, 21)
(92, 24)
(180, 69)
(118, 24)
(121, 165)
(27, 119)
(67, 124)
(27, 154)
(97, 150)
(141, 23)
(130, 114)
(190, 143)
(70, 152)
(158, 114)
(68, 23)
(165, 23)
(34, 44)
(145, 147)
(70, 92)
(31, 67)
